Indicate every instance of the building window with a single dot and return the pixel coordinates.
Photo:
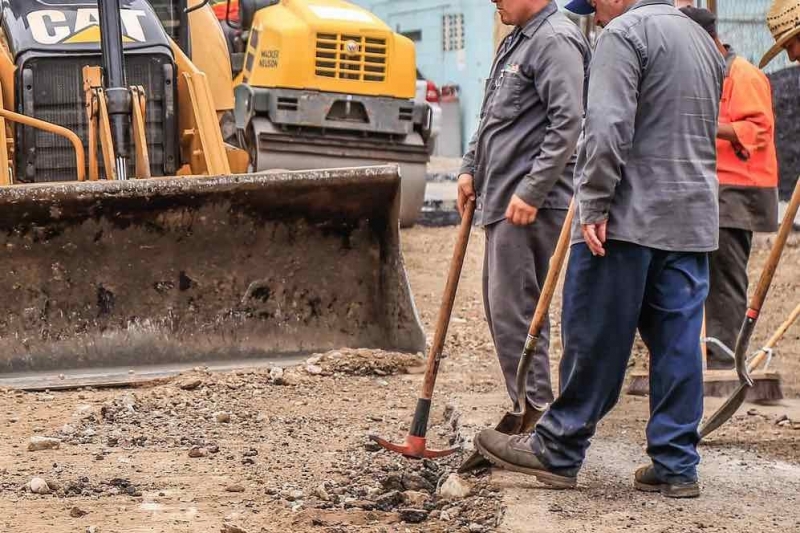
(414, 35)
(453, 32)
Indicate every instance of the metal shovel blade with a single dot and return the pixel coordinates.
(725, 412)
(510, 424)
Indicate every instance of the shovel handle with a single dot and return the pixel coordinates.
(448, 299)
(543, 307)
(757, 301)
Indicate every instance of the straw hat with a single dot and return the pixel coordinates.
(783, 20)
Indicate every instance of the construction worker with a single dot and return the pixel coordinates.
(646, 189)
(747, 168)
(783, 20)
(518, 169)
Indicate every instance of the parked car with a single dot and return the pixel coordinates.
(428, 92)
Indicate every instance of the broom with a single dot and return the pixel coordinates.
(767, 385)
(722, 383)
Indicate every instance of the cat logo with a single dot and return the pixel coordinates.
(50, 26)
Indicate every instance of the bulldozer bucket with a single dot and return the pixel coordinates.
(113, 282)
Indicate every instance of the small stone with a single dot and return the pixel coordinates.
(39, 486)
(322, 493)
(781, 419)
(475, 528)
(292, 495)
(191, 384)
(413, 516)
(784, 423)
(232, 528)
(276, 375)
(234, 488)
(372, 446)
(454, 488)
(314, 370)
(68, 430)
(77, 512)
(393, 482)
(38, 444)
(222, 417)
(92, 529)
(197, 452)
(752, 412)
(414, 481)
(388, 501)
(252, 452)
(413, 498)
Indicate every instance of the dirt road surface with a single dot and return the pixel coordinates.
(273, 451)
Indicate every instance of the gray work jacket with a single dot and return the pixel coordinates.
(647, 159)
(531, 118)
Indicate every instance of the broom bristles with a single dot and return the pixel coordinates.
(766, 388)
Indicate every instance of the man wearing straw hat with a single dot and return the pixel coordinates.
(783, 20)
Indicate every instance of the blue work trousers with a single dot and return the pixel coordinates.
(605, 300)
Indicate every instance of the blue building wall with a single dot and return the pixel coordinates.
(467, 68)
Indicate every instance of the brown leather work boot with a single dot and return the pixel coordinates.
(646, 480)
(513, 452)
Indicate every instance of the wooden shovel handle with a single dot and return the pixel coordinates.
(757, 301)
(448, 299)
(553, 274)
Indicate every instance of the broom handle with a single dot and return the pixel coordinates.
(448, 299)
(779, 333)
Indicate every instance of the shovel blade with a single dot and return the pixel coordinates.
(510, 424)
(724, 413)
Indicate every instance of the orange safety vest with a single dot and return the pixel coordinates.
(747, 106)
(220, 9)
(747, 170)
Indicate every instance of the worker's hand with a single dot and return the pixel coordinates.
(519, 213)
(466, 191)
(595, 237)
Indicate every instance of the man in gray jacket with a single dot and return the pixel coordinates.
(518, 170)
(646, 189)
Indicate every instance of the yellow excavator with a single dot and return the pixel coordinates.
(134, 244)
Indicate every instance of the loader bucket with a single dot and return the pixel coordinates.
(113, 282)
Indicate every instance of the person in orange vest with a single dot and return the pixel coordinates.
(747, 168)
(222, 10)
(783, 20)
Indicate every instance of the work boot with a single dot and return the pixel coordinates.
(646, 480)
(477, 461)
(514, 452)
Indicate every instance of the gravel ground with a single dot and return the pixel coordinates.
(274, 450)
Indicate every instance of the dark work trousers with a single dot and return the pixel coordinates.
(727, 297)
(605, 300)
(515, 265)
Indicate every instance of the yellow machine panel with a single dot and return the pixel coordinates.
(329, 46)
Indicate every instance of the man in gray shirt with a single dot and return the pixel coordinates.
(646, 190)
(518, 169)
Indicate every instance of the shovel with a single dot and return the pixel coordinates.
(512, 422)
(724, 413)
(416, 444)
